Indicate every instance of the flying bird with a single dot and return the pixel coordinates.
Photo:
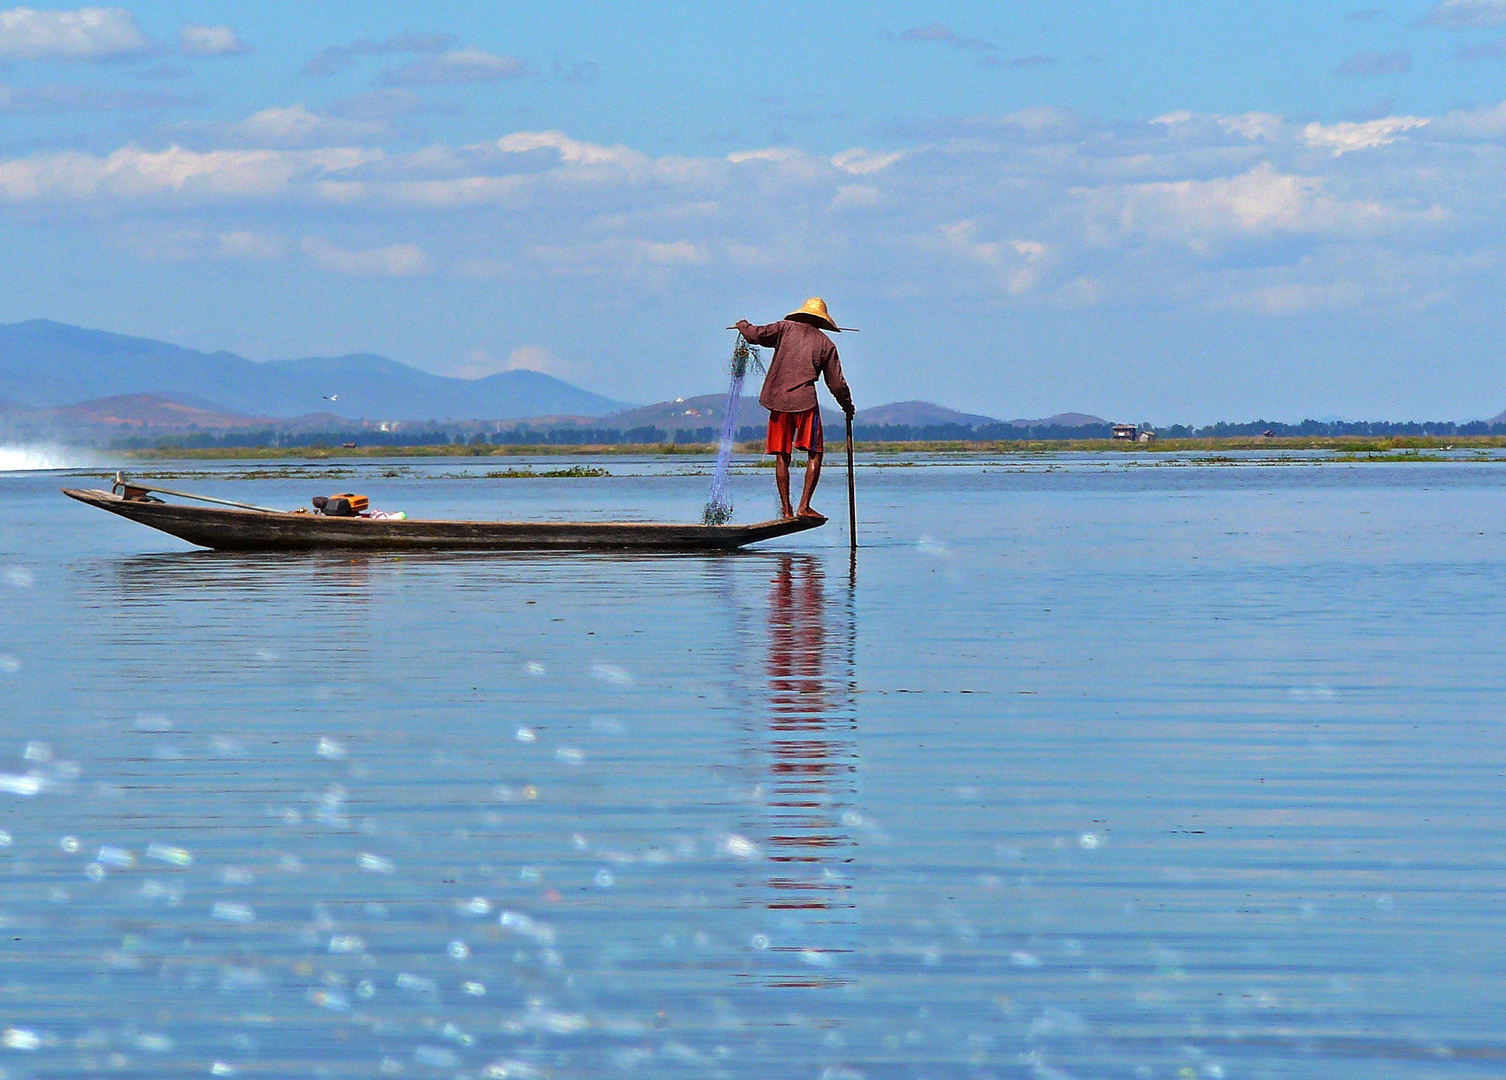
(330, 397)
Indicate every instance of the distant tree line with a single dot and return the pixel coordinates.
(650, 435)
(1320, 428)
(983, 432)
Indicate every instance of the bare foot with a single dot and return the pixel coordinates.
(807, 512)
(785, 513)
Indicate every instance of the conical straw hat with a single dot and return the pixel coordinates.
(815, 307)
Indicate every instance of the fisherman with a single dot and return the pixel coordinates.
(802, 353)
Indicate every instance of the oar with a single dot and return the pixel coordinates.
(121, 482)
(852, 494)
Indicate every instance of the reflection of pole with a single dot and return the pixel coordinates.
(852, 496)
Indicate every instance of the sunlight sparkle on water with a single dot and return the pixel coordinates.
(1194, 775)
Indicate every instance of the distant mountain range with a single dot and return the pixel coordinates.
(48, 365)
(162, 414)
(73, 382)
(919, 414)
(66, 381)
(155, 414)
(705, 410)
(922, 414)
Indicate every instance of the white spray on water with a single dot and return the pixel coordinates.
(36, 458)
(719, 506)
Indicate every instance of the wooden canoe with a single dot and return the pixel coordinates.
(252, 530)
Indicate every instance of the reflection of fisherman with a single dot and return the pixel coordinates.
(801, 354)
(809, 784)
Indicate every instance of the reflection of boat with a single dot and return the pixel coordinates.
(230, 529)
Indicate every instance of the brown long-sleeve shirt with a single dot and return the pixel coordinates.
(802, 354)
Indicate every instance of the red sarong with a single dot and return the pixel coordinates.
(796, 431)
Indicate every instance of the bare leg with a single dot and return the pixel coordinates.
(782, 484)
(812, 478)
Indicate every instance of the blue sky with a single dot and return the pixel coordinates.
(1149, 211)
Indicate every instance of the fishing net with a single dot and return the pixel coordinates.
(719, 506)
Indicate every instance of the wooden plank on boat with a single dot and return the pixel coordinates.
(249, 530)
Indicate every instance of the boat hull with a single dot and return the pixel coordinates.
(251, 530)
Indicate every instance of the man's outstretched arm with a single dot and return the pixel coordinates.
(759, 335)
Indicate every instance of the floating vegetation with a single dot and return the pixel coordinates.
(1411, 455)
(290, 473)
(573, 472)
(719, 506)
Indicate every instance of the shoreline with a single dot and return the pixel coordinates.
(1355, 444)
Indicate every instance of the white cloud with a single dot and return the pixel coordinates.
(1015, 267)
(196, 40)
(961, 237)
(295, 125)
(1260, 202)
(787, 165)
(1212, 211)
(858, 161)
(1487, 123)
(394, 260)
(1255, 126)
(1042, 118)
(774, 154)
(1346, 137)
(455, 67)
(1465, 14)
(570, 151)
(133, 173)
(84, 34)
(1024, 278)
(1251, 126)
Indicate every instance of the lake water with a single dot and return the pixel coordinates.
(1084, 767)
